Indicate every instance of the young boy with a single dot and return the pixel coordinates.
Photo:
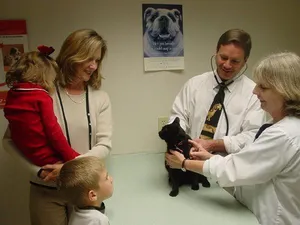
(86, 184)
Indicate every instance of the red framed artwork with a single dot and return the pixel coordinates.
(13, 43)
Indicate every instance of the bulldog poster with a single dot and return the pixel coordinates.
(163, 37)
(13, 42)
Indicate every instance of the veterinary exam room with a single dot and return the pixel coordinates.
(150, 112)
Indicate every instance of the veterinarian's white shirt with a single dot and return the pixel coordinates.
(88, 217)
(271, 165)
(245, 115)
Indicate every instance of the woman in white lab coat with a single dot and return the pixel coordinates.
(266, 173)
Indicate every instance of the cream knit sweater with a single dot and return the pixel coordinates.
(75, 112)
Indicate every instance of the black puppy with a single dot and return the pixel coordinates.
(177, 139)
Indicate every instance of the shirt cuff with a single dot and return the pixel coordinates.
(210, 167)
(206, 168)
(227, 144)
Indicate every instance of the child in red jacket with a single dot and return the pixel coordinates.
(29, 109)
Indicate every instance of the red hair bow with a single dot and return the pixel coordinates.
(46, 50)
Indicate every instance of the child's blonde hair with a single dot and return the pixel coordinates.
(78, 176)
(34, 67)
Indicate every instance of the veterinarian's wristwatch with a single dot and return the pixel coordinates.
(182, 166)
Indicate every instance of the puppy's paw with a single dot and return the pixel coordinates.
(174, 193)
(195, 187)
(206, 184)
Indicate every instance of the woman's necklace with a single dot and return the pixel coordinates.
(87, 115)
(73, 100)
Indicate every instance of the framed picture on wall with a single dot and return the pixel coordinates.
(163, 37)
(13, 43)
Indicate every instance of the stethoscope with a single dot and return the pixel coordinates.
(224, 85)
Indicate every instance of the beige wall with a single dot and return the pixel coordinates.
(139, 98)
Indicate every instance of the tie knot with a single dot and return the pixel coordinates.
(225, 84)
(222, 85)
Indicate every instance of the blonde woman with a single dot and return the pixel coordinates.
(83, 111)
(266, 173)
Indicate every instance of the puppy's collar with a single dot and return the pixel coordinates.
(178, 146)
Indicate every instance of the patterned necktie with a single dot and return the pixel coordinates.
(214, 113)
(261, 129)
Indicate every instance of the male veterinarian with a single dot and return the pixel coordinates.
(218, 107)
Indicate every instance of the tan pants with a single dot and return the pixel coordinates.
(47, 207)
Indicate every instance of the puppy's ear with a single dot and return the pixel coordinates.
(177, 14)
(148, 12)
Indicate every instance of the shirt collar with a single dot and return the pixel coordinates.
(26, 85)
(98, 208)
(230, 87)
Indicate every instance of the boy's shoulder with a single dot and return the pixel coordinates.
(88, 217)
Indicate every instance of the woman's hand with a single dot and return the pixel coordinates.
(54, 171)
(174, 159)
(198, 152)
(43, 173)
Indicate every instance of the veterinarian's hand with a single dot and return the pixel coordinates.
(55, 169)
(174, 160)
(198, 152)
(206, 144)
